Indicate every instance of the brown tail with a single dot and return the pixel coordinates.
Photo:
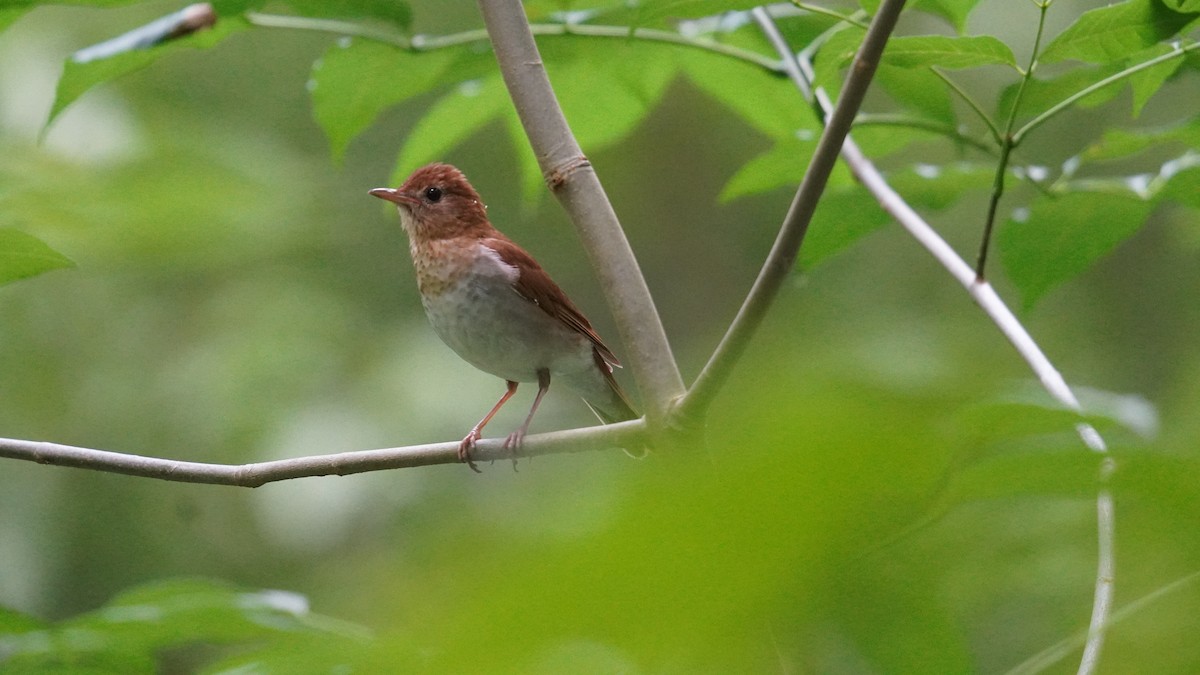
(616, 408)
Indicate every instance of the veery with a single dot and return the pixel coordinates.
(495, 306)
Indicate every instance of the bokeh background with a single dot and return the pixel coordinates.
(239, 297)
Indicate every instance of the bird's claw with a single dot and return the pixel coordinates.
(513, 445)
(465, 448)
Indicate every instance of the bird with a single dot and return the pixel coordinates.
(495, 306)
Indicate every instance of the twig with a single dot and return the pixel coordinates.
(624, 434)
(817, 9)
(171, 27)
(1006, 146)
(985, 296)
(1179, 50)
(780, 261)
(970, 101)
(574, 182)
(923, 124)
(424, 43)
(1043, 660)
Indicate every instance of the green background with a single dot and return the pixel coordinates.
(873, 496)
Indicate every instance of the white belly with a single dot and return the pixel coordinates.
(486, 322)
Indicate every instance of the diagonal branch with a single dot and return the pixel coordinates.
(623, 434)
(990, 302)
(781, 259)
(574, 182)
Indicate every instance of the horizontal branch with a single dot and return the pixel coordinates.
(425, 43)
(621, 435)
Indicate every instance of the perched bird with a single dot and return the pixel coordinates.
(495, 306)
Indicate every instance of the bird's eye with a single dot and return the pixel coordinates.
(433, 194)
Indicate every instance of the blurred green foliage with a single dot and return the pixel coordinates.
(877, 490)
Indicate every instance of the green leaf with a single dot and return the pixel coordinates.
(13, 622)
(357, 80)
(1062, 237)
(9, 15)
(23, 256)
(1119, 143)
(1188, 6)
(782, 165)
(763, 100)
(1183, 188)
(127, 634)
(79, 77)
(837, 51)
(937, 187)
(532, 183)
(947, 52)
(1168, 480)
(1059, 471)
(656, 10)
(879, 141)
(845, 215)
(397, 13)
(25, 5)
(846, 212)
(1110, 34)
(1146, 83)
(919, 90)
(953, 11)
(1027, 410)
(1043, 94)
(633, 77)
(450, 121)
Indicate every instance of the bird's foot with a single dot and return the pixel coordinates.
(513, 445)
(465, 448)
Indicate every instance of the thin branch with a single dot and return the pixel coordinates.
(424, 43)
(186, 21)
(1006, 147)
(781, 259)
(970, 101)
(990, 302)
(347, 28)
(923, 124)
(1043, 660)
(624, 434)
(817, 9)
(1180, 50)
(574, 182)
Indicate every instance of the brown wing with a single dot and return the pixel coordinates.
(535, 285)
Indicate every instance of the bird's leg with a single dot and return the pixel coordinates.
(513, 443)
(468, 443)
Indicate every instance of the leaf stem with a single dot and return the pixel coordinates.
(817, 9)
(1007, 143)
(971, 103)
(348, 28)
(1067, 102)
(911, 122)
(422, 43)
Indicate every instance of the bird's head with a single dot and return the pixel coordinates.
(437, 202)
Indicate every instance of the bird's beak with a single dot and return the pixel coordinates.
(394, 196)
